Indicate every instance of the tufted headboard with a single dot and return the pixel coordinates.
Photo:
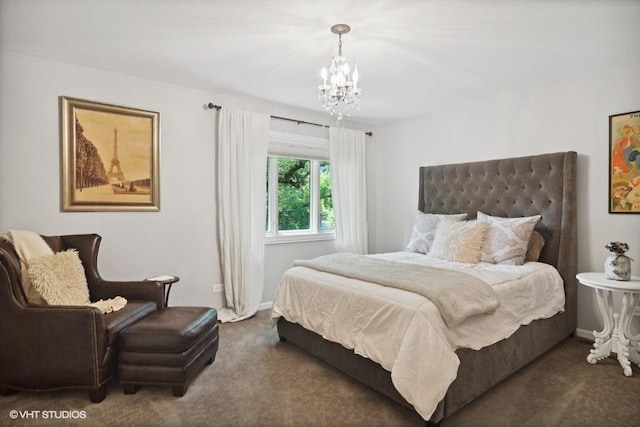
(522, 186)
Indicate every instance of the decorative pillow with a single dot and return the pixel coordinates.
(60, 278)
(507, 238)
(536, 243)
(424, 230)
(459, 241)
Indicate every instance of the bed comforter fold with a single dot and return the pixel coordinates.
(457, 295)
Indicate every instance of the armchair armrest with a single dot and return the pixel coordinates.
(146, 290)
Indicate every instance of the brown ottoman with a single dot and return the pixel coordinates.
(168, 347)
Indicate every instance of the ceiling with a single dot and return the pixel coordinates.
(414, 56)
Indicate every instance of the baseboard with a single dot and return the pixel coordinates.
(265, 305)
(583, 333)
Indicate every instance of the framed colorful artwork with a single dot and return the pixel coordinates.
(624, 163)
(110, 157)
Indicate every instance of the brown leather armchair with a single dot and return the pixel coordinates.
(48, 347)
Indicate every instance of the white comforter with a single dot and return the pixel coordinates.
(403, 331)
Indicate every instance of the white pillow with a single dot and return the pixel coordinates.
(424, 230)
(507, 238)
(459, 241)
(60, 278)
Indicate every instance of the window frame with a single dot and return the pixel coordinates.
(302, 147)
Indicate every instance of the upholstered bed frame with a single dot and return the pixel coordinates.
(542, 184)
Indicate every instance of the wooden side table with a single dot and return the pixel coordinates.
(616, 336)
(167, 281)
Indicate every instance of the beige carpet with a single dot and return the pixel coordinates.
(258, 381)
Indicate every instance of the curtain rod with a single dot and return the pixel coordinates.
(300, 122)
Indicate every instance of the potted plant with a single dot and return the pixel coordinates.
(617, 266)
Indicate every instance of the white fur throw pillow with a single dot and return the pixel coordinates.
(507, 238)
(424, 230)
(60, 278)
(459, 241)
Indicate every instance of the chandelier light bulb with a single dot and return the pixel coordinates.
(355, 76)
(342, 94)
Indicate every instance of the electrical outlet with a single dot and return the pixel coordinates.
(217, 288)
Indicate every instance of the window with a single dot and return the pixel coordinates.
(299, 203)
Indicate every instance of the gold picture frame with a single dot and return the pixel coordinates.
(110, 157)
(624, 163)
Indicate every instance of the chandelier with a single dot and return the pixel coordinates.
(339, 91)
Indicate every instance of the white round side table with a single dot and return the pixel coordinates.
(616, 336)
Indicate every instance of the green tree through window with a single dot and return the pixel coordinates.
(327, 222)
(303, 195)
(294, 194)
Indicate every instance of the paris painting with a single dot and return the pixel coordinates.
(109, 157)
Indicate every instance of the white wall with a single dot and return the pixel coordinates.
(181, 239)
(563, 116)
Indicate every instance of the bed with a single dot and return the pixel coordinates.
(517, 187)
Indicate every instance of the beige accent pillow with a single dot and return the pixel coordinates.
(60, 278)
(459, 241)
(536, 243)
(424, 230)
(507, 238)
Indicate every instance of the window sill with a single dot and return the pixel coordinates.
(298, 238)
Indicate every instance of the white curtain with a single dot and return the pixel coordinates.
(347, 153)
(242, 159)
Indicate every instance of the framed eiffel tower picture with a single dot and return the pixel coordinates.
(110, 157)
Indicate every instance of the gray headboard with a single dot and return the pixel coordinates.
(522, 186)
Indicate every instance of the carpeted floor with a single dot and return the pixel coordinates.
(258, 381)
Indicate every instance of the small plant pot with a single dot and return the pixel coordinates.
(617, 266)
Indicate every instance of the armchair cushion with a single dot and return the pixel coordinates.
(131, 313)
(60, 278)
